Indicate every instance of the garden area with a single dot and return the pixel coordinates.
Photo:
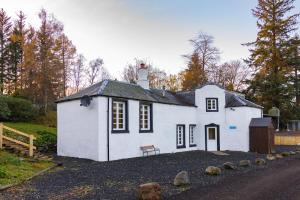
(22, 115)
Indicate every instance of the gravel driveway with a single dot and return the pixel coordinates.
(85, 179)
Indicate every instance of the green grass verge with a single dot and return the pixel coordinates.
(15, 169)
(30, 128)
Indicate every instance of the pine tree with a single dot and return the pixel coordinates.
(16, 47)
(5, 31)
(269, 85)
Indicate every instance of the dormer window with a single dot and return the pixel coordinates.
(212, 105)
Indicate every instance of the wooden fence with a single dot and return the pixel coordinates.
(287, 138)
(16, 141)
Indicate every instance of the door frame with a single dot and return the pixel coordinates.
(218, 135)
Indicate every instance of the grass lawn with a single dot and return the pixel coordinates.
(14, 169)
(30, 128)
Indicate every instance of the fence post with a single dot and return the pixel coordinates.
(1, 135)
(30, 145)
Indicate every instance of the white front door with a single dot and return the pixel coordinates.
(212, 138)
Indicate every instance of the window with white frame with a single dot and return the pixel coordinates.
(180, 136)
(145, 117)
(192, 135)
(211, 104)
(119, 116)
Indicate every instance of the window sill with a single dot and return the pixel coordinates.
(120, 131)
(193, 145)
(180, 147)
(145, 131)
(212, 110)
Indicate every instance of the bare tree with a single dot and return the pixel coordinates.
(93, 70)
(231, 75)
(208, 53)
(77, 71)
(157, 77)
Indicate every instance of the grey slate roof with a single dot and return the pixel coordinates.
(261, 122)
(120, 89)
(234, 100)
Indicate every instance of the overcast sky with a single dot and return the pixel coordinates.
(157, 30)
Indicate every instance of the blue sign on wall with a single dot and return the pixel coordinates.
(232, 127)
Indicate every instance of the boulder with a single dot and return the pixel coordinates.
(245, 163)
(149, 191)
(285, 154)
(229, 165)
(278, 156)
(213, 171)
(297, 152)
(260, 161)
(182, 178)
(270, 157)
(292, 153)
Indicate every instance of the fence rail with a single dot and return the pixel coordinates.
(287, 139)
(31, 138)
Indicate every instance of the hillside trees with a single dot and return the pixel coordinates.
(41, 64)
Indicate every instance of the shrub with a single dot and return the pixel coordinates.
(46, 142)
(50, 119)
(4, 110)
(3, 173)
(20, 109)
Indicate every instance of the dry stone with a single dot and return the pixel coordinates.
(149, 191)
(260, 161)
(213, 171)
(182, 178)
(270, 157)
(245, 163)
(229, 165)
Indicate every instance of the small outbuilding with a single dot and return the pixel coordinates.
(261, 135)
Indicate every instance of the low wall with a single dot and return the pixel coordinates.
(287, 138)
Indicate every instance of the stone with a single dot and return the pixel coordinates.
(182, 178)
(297, 152)
(278, 156)
(292, 153)
(213, 171)
(260, 161)
(270, 157)
(245, 163)
(285, 154)
(229, 165)
(149, 191)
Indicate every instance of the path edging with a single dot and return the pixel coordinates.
(2, 188)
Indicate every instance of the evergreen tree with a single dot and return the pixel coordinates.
(270, 86)
(16, 47)
(5, 31)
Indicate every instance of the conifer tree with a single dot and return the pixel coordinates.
(5, 31)
(275, 23)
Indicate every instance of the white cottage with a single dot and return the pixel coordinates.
(111, 120)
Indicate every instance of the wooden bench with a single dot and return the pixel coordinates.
(149, 148)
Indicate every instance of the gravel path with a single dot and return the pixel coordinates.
(85, 179)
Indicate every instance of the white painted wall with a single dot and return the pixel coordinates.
(77, 129)
(230, 139)
(238, 139)
(165, 119)
(82, 131)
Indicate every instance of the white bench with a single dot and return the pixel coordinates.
(149, 148)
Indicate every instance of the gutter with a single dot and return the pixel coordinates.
(107, 129)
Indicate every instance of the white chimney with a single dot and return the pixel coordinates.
(143, 76)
